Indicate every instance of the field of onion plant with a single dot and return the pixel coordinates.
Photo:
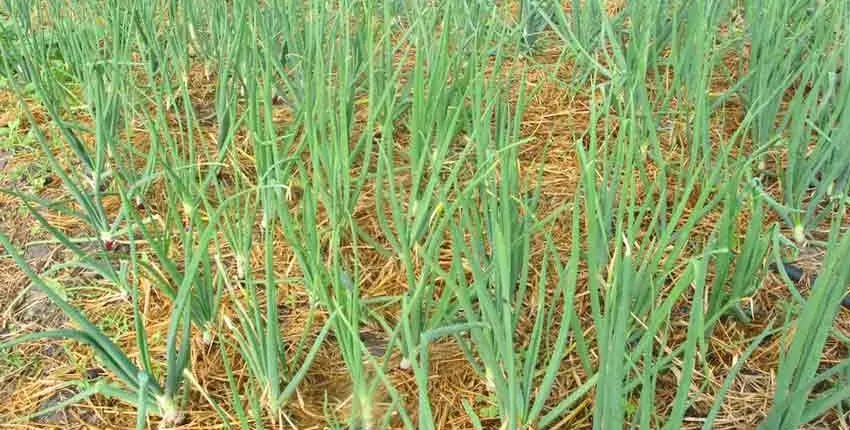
(425, 214)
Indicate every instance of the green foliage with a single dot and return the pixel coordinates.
(405, 138)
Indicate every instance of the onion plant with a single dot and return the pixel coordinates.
(799, 368)
(800, 56)
(332, 173)
(417, 204)
(748, 258)
(500, 293)
(86, 176)
(138, 386)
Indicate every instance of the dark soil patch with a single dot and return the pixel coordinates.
(64, 415)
